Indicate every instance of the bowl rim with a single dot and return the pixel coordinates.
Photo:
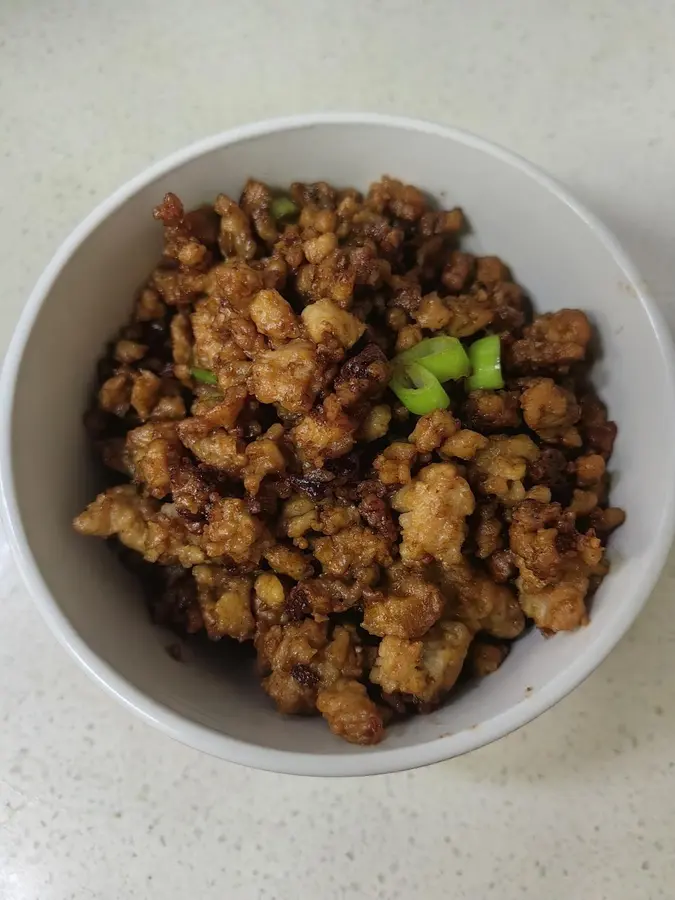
(380, 760)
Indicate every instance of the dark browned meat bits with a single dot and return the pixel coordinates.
(258, 459)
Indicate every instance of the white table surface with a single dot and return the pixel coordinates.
(94, 804)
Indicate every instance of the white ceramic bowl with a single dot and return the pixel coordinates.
(560, 253)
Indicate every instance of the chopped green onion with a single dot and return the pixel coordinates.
(418, 390)
(443, 356)
(485, 358)
(284, 208)
(204, 376)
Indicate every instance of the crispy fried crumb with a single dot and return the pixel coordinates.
(434, 508)
(274, 489)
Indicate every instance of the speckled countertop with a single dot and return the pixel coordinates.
(93, 804)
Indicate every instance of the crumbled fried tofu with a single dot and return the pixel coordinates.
(434, 508)
(276, 491)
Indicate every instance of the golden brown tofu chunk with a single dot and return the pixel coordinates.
(434, 508)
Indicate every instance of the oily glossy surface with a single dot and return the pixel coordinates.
(275, 494)
(579, 800)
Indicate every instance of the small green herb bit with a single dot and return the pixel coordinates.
(443, 356)
(485, 358)
(284, 208)
(204, 376)
(418, 390)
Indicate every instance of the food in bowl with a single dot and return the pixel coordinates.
(331, 433)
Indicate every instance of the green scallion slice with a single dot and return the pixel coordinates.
(486, 368)
(418, 390)
(443, 356)
(204, 376)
